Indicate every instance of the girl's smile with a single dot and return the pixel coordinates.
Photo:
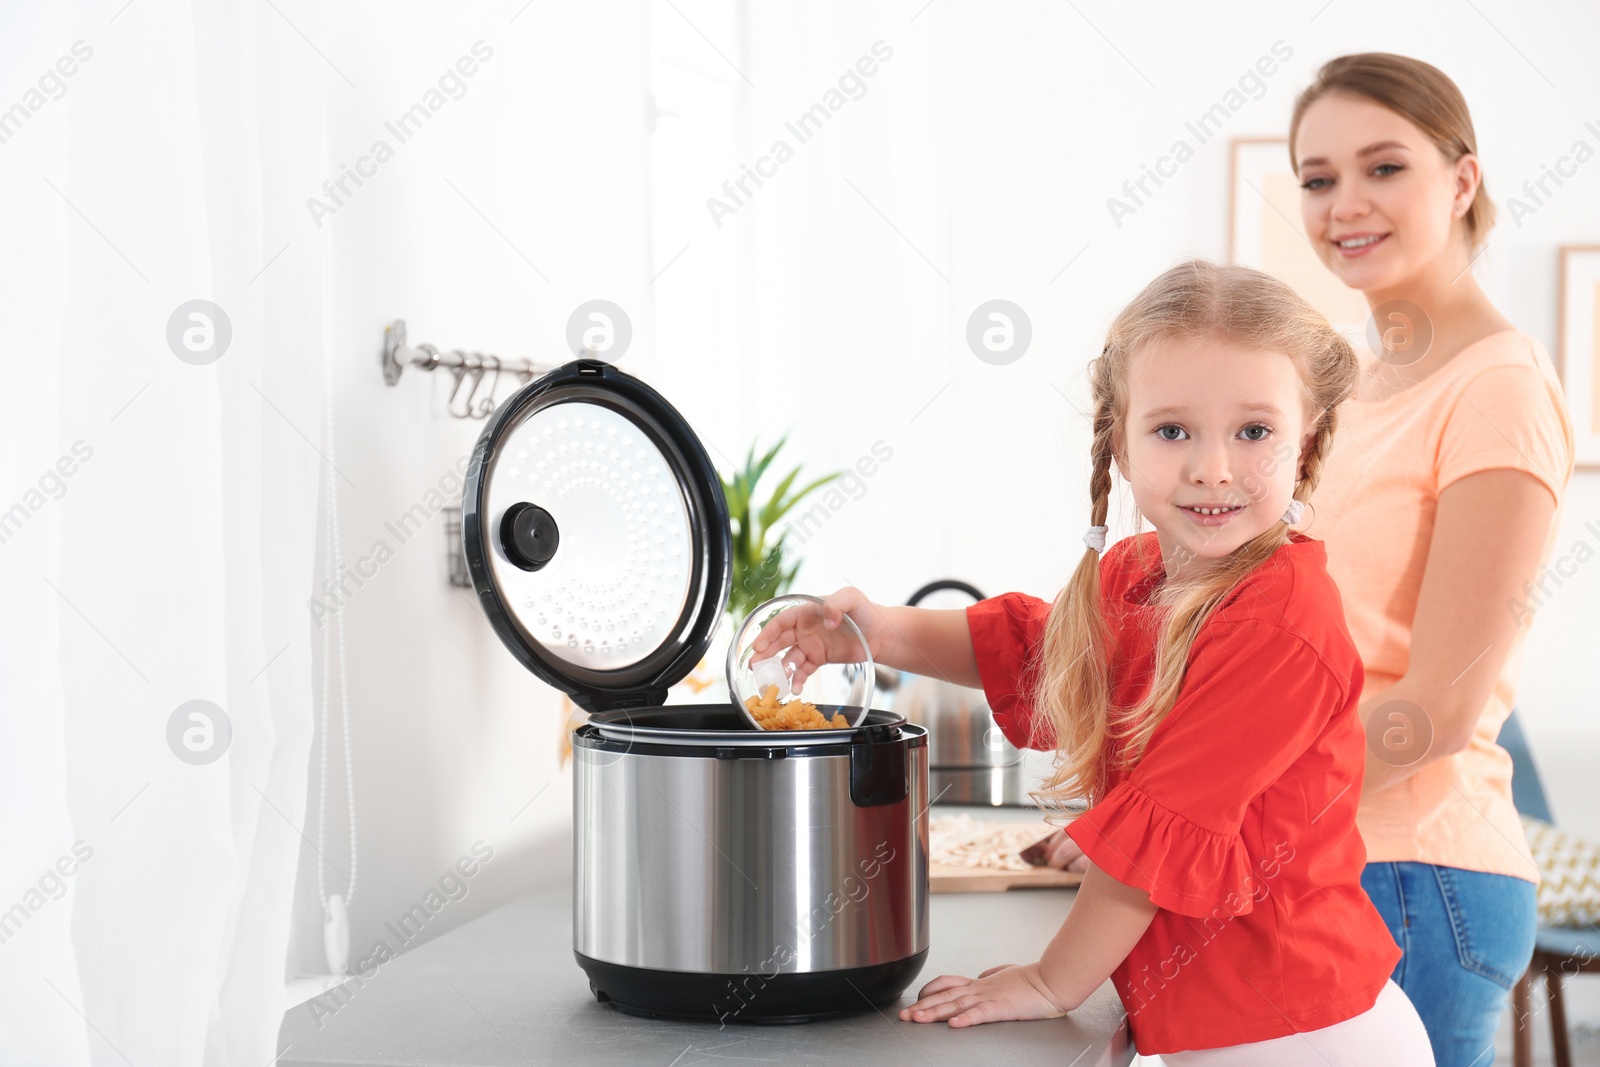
(1212, 514)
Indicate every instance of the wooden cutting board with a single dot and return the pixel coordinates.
(944, 878)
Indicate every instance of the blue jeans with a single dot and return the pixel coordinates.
(1467, 937)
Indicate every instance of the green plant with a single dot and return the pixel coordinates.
(761, 571)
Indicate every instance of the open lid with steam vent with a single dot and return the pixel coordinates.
(596, 534)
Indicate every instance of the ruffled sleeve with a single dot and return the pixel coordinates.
(1255, 699)
(1186, 868)
(1006, 632)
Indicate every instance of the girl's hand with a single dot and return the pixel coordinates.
(813, 635)
(1064, 854)
(998, 994)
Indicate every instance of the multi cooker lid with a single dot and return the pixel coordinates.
(596, 534)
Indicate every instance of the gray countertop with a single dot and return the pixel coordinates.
(504, 990)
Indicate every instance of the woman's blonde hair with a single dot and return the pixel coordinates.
(1418, 92)
(1072, 694)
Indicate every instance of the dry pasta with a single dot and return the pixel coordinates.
(771, 714)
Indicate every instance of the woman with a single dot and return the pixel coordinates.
(1438, 506)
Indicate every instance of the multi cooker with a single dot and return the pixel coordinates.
(720, 871)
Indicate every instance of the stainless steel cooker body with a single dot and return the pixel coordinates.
(749, 880)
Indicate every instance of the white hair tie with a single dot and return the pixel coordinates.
(1096, 538)
(1294, 512)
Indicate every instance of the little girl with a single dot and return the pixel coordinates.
(1200, 688)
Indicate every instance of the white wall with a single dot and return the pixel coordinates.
(451, 738)
(991, 142)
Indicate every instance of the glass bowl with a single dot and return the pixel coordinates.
(843, 686)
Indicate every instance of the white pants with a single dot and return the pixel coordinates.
(1390, 1032)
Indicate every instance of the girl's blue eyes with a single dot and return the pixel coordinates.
(1382, 170)
(1253, 426)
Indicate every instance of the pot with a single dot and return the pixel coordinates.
(720, 871)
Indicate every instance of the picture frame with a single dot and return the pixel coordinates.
(1265, 232)
(1578, 348)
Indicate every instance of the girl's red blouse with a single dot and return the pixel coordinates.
(1240, 819)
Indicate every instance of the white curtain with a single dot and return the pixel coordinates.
(157, 523)
(820, 296)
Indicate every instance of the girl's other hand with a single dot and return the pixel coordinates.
(814, 636)
(1064, 854)
(998, 994)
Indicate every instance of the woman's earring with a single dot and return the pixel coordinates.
(1294, 512)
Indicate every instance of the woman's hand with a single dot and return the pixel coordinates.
(814, 636)
(998, 994)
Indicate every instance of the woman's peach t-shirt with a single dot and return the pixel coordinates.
(1496, 404)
